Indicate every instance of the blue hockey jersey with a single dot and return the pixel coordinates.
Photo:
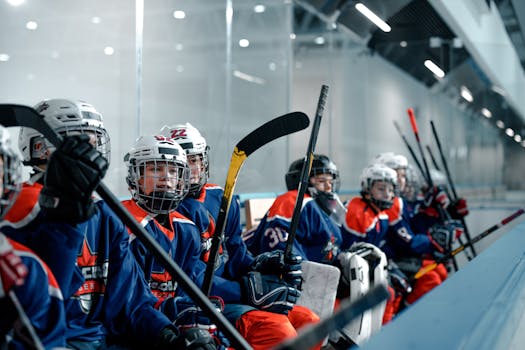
(318, 237)
(104, 289)
(234, 260)
(41, 299)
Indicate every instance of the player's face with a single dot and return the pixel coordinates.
(197, 167)
(159, 176)
(401, 178)
(323, 182)
(382, 190)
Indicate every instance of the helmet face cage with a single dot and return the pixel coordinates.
(413, 185)
(321, 164)
(374, 173)
(67, 117)
(11, 173)
(158, 174)
(161, 199)
(191, 140)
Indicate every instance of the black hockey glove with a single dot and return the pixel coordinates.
(268, 293)
(73, 173)
(187, 315)
(192, 339)
(441, 237)
(275, 263)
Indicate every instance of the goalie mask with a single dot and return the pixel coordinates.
(67, 117)
(158, 173)
(11, 172)
(191, 140)
(378, 183)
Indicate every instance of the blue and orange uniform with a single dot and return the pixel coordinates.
(261, 329)
(105, 293)
(41, 299)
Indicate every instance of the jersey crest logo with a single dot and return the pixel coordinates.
(95, 273)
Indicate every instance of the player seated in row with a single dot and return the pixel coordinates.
(107, 301)
(265, 319)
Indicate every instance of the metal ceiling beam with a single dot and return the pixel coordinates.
(483, 33)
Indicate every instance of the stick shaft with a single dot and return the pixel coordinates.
(307, 165)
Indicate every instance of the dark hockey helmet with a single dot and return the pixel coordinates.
(321, 164)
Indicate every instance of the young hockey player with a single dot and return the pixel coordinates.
(106, 297)
(158, 179)
(318, 239)
(420, 223)
(375, 217)
(274, 318)
(23, 273)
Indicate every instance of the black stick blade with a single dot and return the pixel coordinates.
(275, 128)
(19, 115)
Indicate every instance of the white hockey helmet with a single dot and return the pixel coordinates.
(66, 117)
(169, 161)
(377, 172)
(191, 140)
(11, 172)
(391, 160)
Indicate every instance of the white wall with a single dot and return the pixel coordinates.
(187, 75)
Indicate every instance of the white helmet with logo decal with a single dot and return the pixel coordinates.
(66, 117)
(158, 173)
(191, 140)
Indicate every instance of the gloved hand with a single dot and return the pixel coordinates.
(186, 315)
(73, 173)
(190, 315)
(268, 293)
(397, 279)
(441, 236)
(275, 263)
(458, 209)
(437, 196)
(193, 338)
(12, 269)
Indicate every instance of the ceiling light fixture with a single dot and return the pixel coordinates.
(431, 66)
(517, 138)
(259, 8)
(466, 94)
(486, 113)
(500, 124)
(373, 17)
(15, 2)
(31, 25)
(4, 57)
(244, 43)
(179, 14)
(509, 132)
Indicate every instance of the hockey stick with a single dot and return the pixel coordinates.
(18, 115)
(278, 127)
(344, 315)
(432, 158)
(307, 166)
(442, 212)
(30, 339)
(451, 183)
(410, 149)
(476, 239)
